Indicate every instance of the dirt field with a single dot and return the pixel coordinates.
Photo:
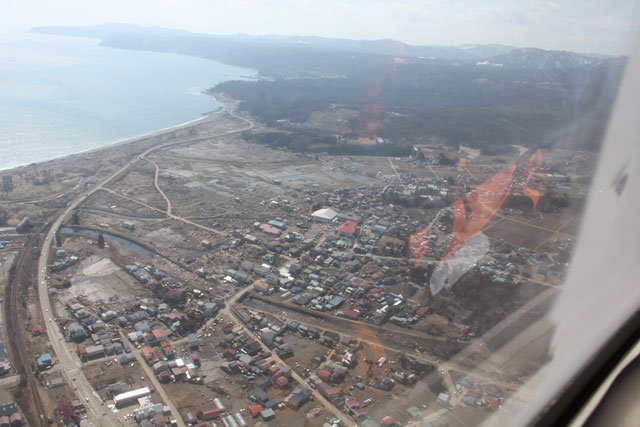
(573, 227)
(97, 279)
(517, 233)
(138, 182)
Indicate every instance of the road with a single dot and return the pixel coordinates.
(316, 394)
(558, 231)
(446, 365)
(68, 361)
(408, 333)
(469, 172)
(523, 278)
(514, 349)
(539, 227)
(55, 196)
(70, 364)
(171, 216)
(392, 166)
(155, 184)
(156, 384)
(482, 373)
(432, 171)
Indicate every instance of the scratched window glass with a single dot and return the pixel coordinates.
(329, 213)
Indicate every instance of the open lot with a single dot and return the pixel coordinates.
(517, 233)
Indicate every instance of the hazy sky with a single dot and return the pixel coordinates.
(578, 25)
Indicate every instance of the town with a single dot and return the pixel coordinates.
(195, 278)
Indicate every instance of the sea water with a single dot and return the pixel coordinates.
(63, 95)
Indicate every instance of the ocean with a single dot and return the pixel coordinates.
(63, 95)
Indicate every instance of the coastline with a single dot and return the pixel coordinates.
(74, 171)
(151, 134)
(94, 127)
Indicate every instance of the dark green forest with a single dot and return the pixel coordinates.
(483, 96)
(482, 107)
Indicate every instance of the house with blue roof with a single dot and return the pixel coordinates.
(44, 361)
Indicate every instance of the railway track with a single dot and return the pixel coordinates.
(22, 360)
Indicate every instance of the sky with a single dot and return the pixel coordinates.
(602, 26)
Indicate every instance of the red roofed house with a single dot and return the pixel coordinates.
(274, 370)
(352, 406)
(323, 374)
(363, 285)
(493, 405)
(333, 394)
(349, 228)
(36, 331)
(159, 334)
(227, 327)
(422, 311)
(388, 422)
(167, 348)
(280, 382)
(164, 377)
(196, 358)
(209, 415)
(376, 292)
(269, 229)
(82, 352)
(177, 316)
(349, 314)
(255, 410)
(148, 354)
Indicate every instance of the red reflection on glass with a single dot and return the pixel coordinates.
(534, 163)
(484, 202)
(369, 120)
(418, 242)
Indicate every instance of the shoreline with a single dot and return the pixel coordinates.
(81, 168)
(121, 142)
(243, 73)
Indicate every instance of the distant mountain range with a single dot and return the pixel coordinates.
(485, 96)
(316, 55)
(539, 59)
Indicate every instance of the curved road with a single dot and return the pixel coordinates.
(68, 362)
(155, 184)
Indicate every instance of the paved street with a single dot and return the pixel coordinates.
(68, 361)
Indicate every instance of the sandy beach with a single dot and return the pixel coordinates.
(38, 189)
